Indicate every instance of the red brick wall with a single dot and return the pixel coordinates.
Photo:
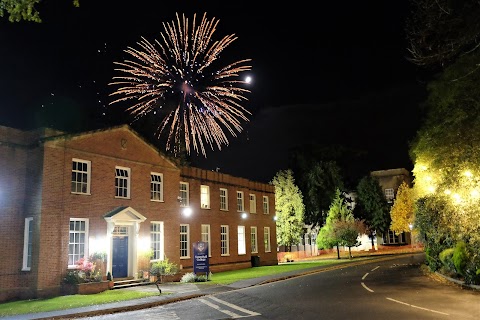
(215, 217)
(35, 182)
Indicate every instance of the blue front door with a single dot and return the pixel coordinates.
(120, 257)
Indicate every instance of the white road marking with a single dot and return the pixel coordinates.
(367, 288)
(414, 306)
(214, 306)
(230, 305)
(366, 274)
(375, 268)
(252, 313)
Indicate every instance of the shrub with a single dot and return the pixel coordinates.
(446, 257)
(188, 277)
(460, 257)
(192, 277)
(163, 268)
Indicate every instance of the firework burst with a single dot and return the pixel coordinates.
(176, 80)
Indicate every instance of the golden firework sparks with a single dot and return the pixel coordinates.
(180, 71)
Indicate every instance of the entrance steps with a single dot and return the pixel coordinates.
(129, 282)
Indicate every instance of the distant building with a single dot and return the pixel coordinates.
(389, 181)
(66, 196)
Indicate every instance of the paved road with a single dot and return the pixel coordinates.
(393, 289)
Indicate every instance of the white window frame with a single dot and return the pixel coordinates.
(204, 196)
(77, 253)
(253, 240)
(223, 199)
(266, 206)
(389, 194)
(156, 187)
(81, 178)
(253, 203)
(224, 241)
(205, 230)
(27, 244)
(240, 201)
(185, 240)
(184, 194)
(122, 178)
(242, 245)
(266, 239)
(157, 241)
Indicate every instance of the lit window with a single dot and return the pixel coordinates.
(223, 199)
(156, 186)
(224, 246)
(156, 240)
(184, 199)
(253, 239)
(122, 182)
(240, 201)
(206, 237)
(204, 197)
(266, 239)
(389, 194)
(27, 244)
(80, 176)
(253, 203)
(265, 205)
(77, 244)
(241, 240)
(184, 241)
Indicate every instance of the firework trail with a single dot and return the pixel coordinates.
(178, 78)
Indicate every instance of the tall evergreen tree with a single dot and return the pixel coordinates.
(289, 209)
(337, 229)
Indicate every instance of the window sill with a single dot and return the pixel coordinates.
(81, 193)
(126, 198)
(152, 200)
(184, 258)
(225, 210)
(26, 269)
(225, 255)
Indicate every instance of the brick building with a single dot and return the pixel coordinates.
(65, 196)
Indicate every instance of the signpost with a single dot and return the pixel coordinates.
(200, 257)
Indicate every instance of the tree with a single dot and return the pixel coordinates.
(439, 31)
(401, 212)
(339, 225)
(317, 180)
(446, 155)
(348, 231)
(289, 209)
(18, 10)
(372, 207)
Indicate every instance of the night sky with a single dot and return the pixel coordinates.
(335, 73)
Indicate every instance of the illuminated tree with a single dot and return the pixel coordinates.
(18, 10)
(341, 228)
(348, 231)
(401, 212)
(446, 155)
(289, 209)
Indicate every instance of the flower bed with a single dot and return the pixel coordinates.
(85, 288)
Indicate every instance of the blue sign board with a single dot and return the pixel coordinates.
(200, 257)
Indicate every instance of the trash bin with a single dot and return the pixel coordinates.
(255, 261)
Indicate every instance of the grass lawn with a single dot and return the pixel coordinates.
(69, 302)
(226, 277)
